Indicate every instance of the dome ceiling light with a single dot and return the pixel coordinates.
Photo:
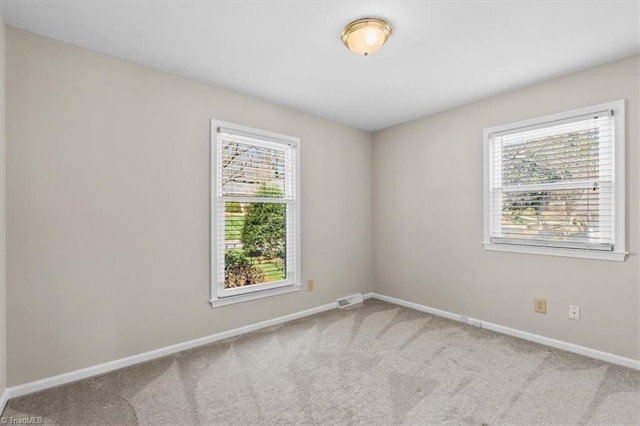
(365, 36)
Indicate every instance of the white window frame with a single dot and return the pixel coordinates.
(619, 248)
(219, 295)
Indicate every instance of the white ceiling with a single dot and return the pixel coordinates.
(441, 54)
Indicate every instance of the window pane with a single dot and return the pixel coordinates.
(255, 243)
(562, 215)
(563, 157)
(248, 169)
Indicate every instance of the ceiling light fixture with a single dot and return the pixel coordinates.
(365, 36)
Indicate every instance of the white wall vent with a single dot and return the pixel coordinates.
(350, 300)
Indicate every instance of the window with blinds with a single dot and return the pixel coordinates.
(556, 184)
(255, 207)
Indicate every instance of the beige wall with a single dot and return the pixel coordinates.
(3, 270)
(428, 221)
(108, 208)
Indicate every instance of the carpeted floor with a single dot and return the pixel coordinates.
(372, 364)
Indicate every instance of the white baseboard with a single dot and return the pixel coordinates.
(84, 373)
(570, 347)
(3, 400)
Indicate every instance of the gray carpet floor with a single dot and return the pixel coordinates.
(372, 364)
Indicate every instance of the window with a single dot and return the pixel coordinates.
(255, 214)
(555, 185)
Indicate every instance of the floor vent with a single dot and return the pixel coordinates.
(345, 302)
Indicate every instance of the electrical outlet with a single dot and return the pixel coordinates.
(309, 285)
(574, 312)
(540, 306)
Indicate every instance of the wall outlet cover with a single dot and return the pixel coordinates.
(574, 312)
(540, 306)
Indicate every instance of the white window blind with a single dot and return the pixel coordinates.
(554, 183)
(256, 212)
(249, 165)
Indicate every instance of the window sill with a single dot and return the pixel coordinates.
(259, 294)
(554, 251)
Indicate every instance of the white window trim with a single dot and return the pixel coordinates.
(619, 249)
(264, 290)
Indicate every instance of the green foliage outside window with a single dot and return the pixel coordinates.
(264, 230)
